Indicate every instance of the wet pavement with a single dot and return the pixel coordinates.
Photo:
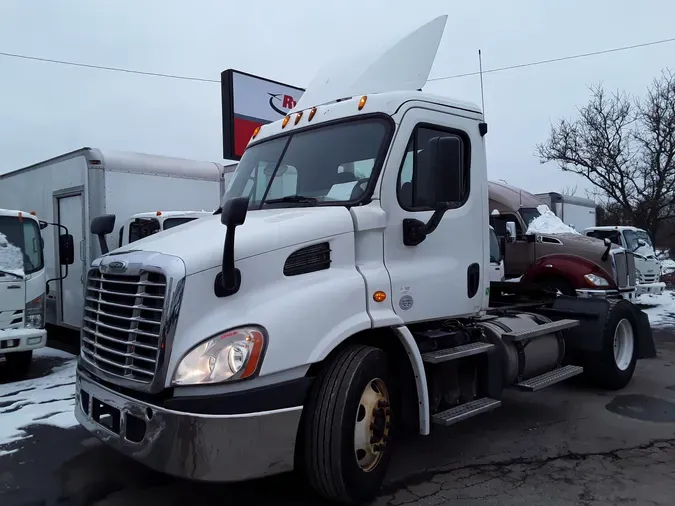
(566, 445)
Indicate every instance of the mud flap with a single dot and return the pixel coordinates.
(592, 314)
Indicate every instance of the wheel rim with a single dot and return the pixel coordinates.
(373, 421)
(624, 344)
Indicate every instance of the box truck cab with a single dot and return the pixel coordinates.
(310, 328)
(142, 225)
(638, 242)
(23, 288)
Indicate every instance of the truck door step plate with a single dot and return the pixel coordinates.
(540, 330)
(465, 350)
(464, 411)
(550, 378)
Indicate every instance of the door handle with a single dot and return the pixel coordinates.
(82, 250)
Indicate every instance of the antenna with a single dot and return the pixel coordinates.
(482, 94)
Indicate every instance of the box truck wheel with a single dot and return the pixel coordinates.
(18, 364)
(613, 367)
(347, 426)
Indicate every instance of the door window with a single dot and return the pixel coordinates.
(417, 189)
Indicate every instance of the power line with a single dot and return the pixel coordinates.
(114, 69)
(455, 76)
(554, 60)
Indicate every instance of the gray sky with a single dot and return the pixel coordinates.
(48, 109)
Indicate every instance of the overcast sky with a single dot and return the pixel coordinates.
(48, 109)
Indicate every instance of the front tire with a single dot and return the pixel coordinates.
(18, 364)
(347, 426)
(613, 367)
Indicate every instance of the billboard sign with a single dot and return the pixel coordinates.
(249, 101)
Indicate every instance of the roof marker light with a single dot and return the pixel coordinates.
(298, 117)
(362, 102)
(285, 121)
(255, 132)
(311, 114)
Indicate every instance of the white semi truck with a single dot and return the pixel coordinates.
(72, 189)
(312, 328)
(23, 286)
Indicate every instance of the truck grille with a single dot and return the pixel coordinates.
(122, 323)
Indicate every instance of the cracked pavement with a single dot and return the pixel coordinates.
(565, 445)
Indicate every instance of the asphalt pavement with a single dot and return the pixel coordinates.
(565, 445)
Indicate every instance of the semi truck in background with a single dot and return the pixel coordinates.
(23, 286)
(313, 328)
(569, 263)
(575, 212)
(73, 188)
(638, 242)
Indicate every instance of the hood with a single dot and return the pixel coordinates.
(200, 243)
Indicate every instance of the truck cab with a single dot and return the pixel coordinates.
(22, 288)
(309, 327)
(639, 244)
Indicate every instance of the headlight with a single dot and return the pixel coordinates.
(35, 313)
(596, 280)
(234, 355)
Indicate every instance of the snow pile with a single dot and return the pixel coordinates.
(667, 266)
(548, 223)
(11, 257)
(661, 310)
(49, 400)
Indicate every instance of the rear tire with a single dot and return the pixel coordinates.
(613, 367)
(18, 364)
(347, 426)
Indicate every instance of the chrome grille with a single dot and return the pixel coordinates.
(122, 323)
(624, 269)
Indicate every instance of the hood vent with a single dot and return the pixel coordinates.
(309, 259)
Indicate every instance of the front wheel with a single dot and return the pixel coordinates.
(347, 426)
(18, 364)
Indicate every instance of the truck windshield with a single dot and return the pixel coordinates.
(612, 235)
(528, 214)
(632, 237)
(327, 165)
(20, 246)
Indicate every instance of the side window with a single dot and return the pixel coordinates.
(418, 185)
(121, 236)
(499, 224)
(495, 250)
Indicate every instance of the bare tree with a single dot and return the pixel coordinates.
(626, 148)
(570, 190)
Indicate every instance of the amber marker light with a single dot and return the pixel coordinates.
(311, 114)
(362, 102)
(285, 121)
(298, 117)
(379, 296)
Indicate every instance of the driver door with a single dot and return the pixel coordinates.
(445, 274)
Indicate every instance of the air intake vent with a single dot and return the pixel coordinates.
(310, 259)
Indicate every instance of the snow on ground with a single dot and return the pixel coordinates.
(49, 400)
(11, 257)
(660, 307)
(548, 223)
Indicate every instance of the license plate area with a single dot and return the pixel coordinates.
(106, 416)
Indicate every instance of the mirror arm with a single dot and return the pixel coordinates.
(56, 279)
(415, 231)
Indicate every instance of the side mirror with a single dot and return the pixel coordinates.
(233, 214)
(511, 231)
(66, 249)
(607, 241)
(102, 226)
(641, 243)
(43, 224)
(445, 173)
(608, 246)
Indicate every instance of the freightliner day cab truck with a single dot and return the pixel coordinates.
(569, 263)
(312, 328)
(23, 285)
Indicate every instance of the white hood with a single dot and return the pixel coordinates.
(200, 242)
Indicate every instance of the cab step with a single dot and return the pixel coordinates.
(540, 330)
(464, 411)
(465, 350)
(550, 378)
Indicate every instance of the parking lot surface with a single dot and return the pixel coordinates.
(566, 445)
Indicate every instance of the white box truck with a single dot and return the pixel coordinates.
(23, 285)
(576, 212)
(73, 188)
(312, 328)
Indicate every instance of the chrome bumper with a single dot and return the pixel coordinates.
(194, 446)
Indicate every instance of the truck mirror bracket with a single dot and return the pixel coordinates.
(416, 231)
(228, 280)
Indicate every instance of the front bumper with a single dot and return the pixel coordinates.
(195, 446)
(16, 340)
(651, 288)
(629, 294)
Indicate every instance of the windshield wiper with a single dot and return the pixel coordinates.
(301, 199)
(11, 274)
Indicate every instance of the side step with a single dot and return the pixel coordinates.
(465, 350)
(464, 411)
(540, 330)
(550, 378)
